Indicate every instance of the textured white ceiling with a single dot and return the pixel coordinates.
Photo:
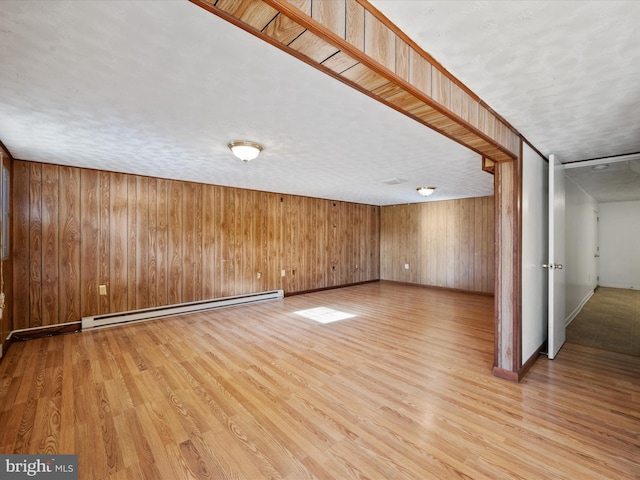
(607, 180)
(159, 88)
(565, 74)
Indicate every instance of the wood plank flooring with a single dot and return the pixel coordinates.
(402, 390)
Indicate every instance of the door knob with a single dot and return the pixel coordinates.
(552, 266)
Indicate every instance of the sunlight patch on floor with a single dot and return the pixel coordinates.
(324, 314)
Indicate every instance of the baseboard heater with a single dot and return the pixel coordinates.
(176, 309)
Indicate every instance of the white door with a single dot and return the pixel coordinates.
(555, 266)
(596, 251)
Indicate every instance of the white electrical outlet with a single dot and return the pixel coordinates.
(406, 266)
(282, 273)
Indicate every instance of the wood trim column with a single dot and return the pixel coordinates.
(508, 276)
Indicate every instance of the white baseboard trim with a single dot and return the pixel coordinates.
(625, 286)
(113, 319)
(575, 313)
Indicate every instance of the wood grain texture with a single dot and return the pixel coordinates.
(441, 88)
(252, 12)
(339, 62)
(257, 391)
(355, 24)
(21, 240)
(105, 234)
(283, 30)
(118, 243)
(219, 241)
(420, 72)
(442, 242)
(313, 47)
(89, 235)
(209, 256)
(35, 245)
(141, 239)
(330, 14)
(152, 273)
(379, 42)
(198, 239)
(365, 77)
(508, 267)
(403, 59)
(162, 259)
(175, 246)
(69, 245)
(155, 242)
(51, 228)
(132, 244)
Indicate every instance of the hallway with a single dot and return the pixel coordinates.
(610, 321)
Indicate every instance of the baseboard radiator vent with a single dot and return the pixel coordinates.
(177, 309)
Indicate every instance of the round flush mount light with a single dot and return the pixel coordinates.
(245, 150)
(602, 166)
(426, 191)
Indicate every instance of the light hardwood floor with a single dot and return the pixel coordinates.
(402, 390)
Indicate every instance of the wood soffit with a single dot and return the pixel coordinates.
(354, 43)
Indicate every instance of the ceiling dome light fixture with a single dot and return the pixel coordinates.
(244, 150)
(426, 191)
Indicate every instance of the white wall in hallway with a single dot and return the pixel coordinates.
(580, 250)
(619, 233)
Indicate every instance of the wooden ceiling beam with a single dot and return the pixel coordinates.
(351, 41)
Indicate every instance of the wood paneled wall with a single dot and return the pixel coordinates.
(157, 242)
(446, 244)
